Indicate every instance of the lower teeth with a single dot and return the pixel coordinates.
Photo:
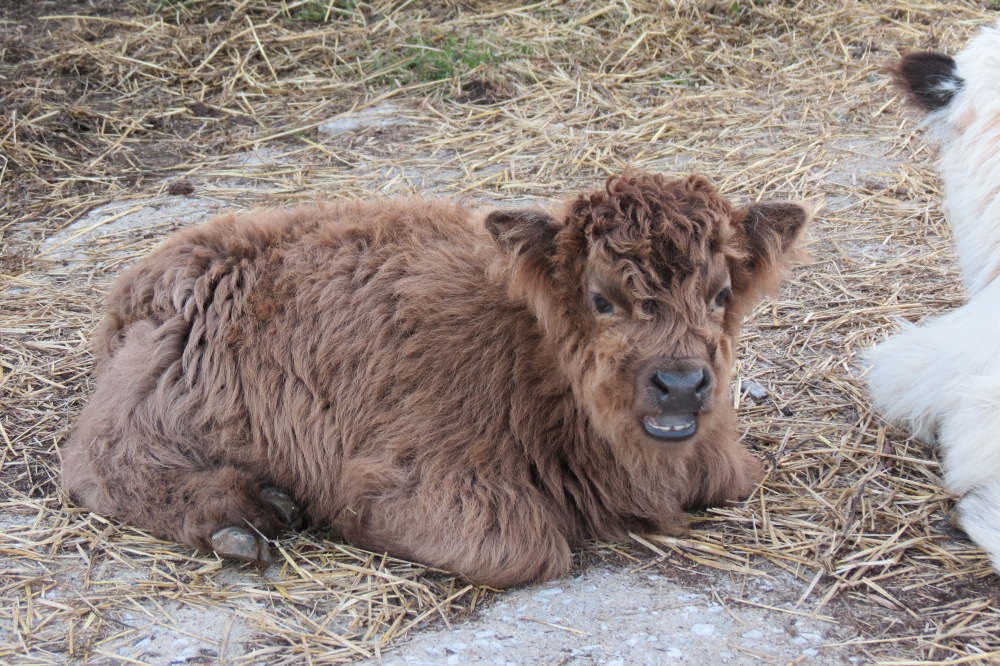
(656, 426)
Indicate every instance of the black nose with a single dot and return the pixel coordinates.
(682, 390)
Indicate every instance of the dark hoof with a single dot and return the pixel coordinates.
(954, 518)
(241, 544)
(286, 508)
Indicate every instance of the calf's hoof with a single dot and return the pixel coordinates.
(284, 506)
(241, 544)
(954, 518)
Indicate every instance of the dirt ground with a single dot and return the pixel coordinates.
(628, 617)
(121, 122)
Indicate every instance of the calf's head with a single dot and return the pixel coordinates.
(642, 288)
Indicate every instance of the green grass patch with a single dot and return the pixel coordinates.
(320, 12)
(435, 60)
(172, 4)
(428, 58)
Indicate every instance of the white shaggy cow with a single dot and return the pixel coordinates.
(942, 378)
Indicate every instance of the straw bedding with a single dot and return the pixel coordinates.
(141, 104)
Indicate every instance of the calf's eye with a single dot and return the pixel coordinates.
(722, 297)
(601, 304)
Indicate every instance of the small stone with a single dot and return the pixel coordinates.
(757, 392)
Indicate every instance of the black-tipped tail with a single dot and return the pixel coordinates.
(929, 79)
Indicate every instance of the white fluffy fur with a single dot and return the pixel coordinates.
(968, 130)
(943, 377)
(980, 516)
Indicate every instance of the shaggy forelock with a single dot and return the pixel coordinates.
(654, 232)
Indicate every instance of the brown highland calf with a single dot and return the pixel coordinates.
(476, 390)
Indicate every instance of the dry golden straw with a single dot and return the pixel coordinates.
(121, 103)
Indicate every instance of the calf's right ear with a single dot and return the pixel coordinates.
(529, 233)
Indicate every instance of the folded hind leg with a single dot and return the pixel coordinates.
(134, 454)
(145, 482)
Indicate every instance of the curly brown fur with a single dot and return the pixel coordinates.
(434, 380)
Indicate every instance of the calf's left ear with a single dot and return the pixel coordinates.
(770, 231)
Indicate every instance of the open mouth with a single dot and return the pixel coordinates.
(671, 426)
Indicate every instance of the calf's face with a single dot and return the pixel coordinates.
(644, 286)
